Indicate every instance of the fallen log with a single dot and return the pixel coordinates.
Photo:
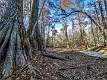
(53, 56)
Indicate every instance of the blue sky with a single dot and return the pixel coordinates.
(76, 2)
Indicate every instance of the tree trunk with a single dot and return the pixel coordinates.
(103, 21)
(15, 47)
(33, 29)
(93, 34)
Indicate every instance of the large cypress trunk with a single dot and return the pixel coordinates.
(15, 47)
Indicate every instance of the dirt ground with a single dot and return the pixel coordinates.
(68, 65)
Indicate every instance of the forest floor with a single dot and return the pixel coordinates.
(66, 65)
(69, 65)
